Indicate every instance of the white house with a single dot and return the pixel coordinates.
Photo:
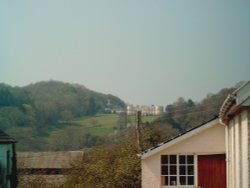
(190, 160)
(213, 155)
(235, 114)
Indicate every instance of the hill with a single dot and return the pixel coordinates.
(27, 112)
(61, 116)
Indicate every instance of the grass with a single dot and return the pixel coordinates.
(99, 119)
(103, 124)
(100, 124)
(150, 119)
(97, 125)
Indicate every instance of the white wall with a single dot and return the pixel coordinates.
(210, 141)
(238, 151)
(151, 172)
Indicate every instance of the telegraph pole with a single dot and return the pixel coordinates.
(138, 131)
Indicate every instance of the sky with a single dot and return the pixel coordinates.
(145, 52)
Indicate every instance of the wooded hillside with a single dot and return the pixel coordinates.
(60, 116)
(25, 112)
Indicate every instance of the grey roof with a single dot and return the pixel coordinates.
(60, 159)
(4, 138)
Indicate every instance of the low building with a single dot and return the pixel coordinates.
(186, 160)
(8, 176)
(145, 110)
(52, 165)
(158, 110)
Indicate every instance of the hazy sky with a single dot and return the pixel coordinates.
(145, 52)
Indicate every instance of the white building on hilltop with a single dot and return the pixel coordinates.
(145, 110)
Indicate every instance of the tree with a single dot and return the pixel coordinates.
(122, 121)
(92, 107)
(113, 166)
(66, 115)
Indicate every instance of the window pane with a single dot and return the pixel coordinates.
(177, 171)
(164, 170)
(183, 180)
(164, 180)
(173, 180)
(190, 170)
(173, 170)
(164, 159)
(190, 159)
(172, 159)
(190, 180)
(182, 159)
(182, 170)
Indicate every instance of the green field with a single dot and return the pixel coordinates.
(149, 119)
(100, 124)
(78, 133)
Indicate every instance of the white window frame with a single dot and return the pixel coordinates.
(178, 173)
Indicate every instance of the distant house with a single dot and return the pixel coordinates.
(186, 160)
(213, 155)
(8, 178)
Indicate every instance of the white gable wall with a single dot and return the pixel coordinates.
(209, 141)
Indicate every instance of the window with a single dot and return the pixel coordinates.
(177, 170)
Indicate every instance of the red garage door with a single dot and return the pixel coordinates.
(212, 171)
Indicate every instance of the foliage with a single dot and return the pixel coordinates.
(53, 101)
(36, 181)
(185, 114)
(56, 101)
(72, 138)
(32, 182)
(122, 121)
(38, 107)
(155, 133)
(51, 112)
(99, 124)
(114, 166)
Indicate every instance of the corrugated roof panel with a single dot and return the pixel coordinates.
(62, 159)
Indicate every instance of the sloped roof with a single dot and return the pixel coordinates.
(4, 138)
(180, 137)
(39, 160)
